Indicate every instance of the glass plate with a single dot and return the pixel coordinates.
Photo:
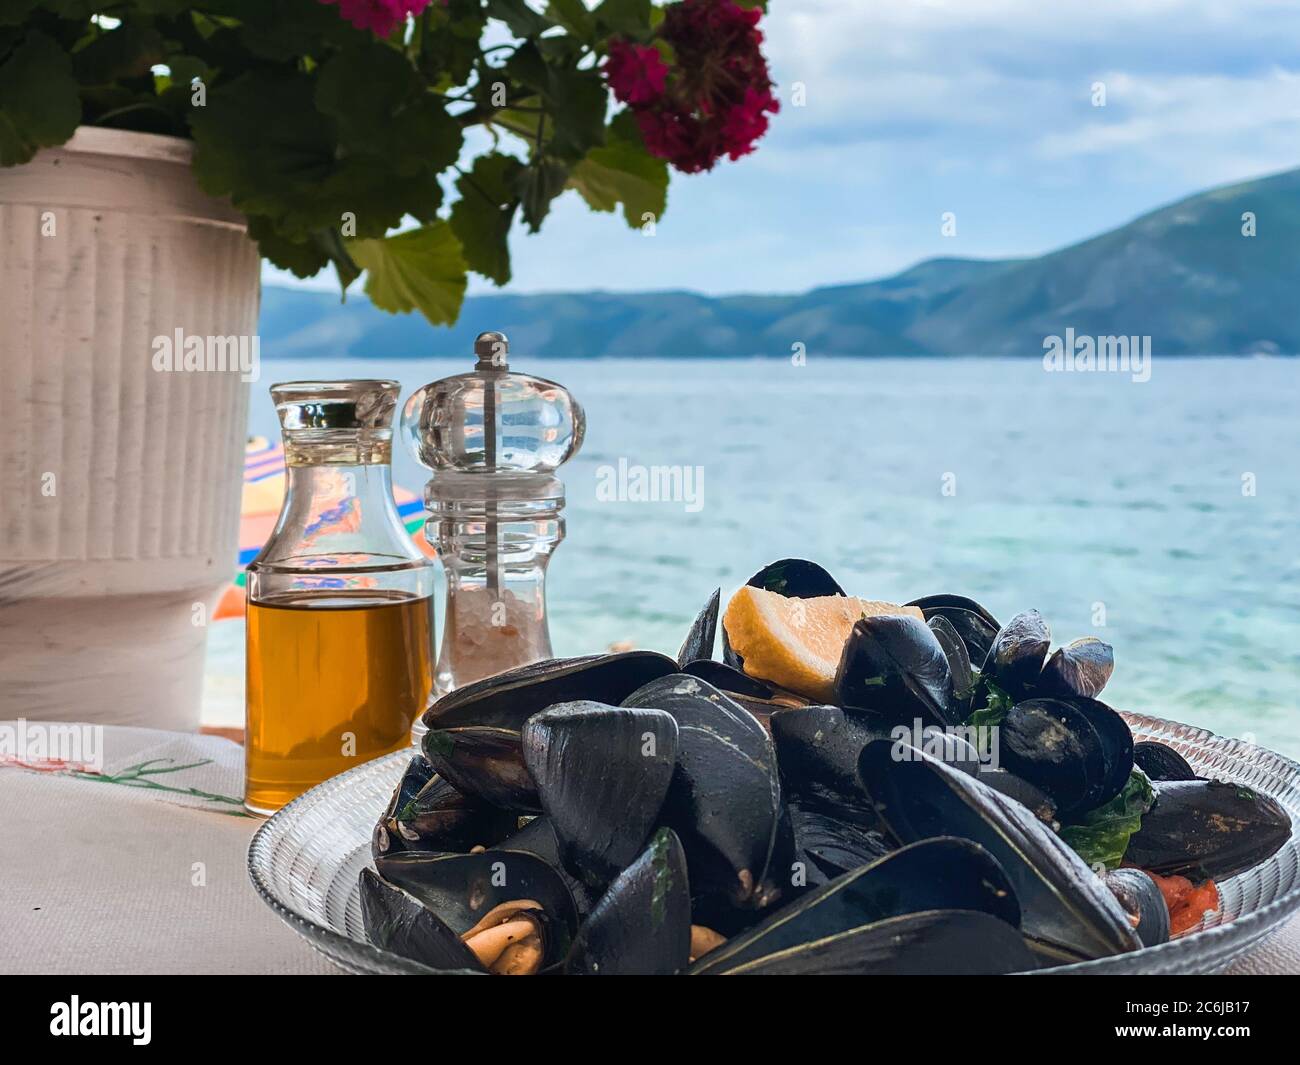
(305, 861)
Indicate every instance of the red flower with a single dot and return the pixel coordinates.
(636, 72)
(714, 100)
(379, 16)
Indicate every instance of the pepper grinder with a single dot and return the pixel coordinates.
(493, 440)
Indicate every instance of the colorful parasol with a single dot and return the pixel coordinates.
(264, 483)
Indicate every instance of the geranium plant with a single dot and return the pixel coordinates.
(401, 138)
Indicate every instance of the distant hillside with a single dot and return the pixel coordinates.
(1184, 274)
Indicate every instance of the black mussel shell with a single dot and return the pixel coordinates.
(509, 699)
(820, 745)
(935, 874)
(1016, 658)
(894, 665)
(731, 680)
(1062, 902)
(396, 921)
(461, 888)
(725, 797)
(975, 625)
(795, 578)
(1081, 667)
(959, 664)
(439, 818)
(1078, 751)
(642, 924)
(1207, 828)
(1162, 763)
(829, 846)
(417, 774)
(485, 763)
(602, 775)
(1037, 802)
(538, 837)
(1144, 903)
(929, 943)
(699, 641)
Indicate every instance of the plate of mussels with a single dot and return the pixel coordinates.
(817, 783)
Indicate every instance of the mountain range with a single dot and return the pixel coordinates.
(1188, 275)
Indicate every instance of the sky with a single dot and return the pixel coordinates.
(979, 108)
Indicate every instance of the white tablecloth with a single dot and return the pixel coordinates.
(139, 867)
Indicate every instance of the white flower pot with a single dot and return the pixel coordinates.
(119, 483)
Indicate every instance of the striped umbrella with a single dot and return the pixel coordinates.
(264, 485)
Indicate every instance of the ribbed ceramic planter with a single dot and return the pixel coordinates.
(119, 482)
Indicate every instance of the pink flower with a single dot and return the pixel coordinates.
(714, 100)
(636, 72)
(379, 16)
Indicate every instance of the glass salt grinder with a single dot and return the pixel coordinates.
(339, 601)
(493, 440)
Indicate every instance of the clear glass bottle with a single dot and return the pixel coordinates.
(493, 440)
(340, 600)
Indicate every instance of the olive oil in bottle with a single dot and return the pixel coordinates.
(333, 681)
(340, 600)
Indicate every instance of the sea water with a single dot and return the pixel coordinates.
(1161, 516)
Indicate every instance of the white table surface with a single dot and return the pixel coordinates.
(103, 877)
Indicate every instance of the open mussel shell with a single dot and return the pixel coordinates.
(703, 633)
(894, 665)
(1162, 763)
(959, 663)
(795, 578)
(642, 924)
(438, 817)
(1063, 904)
(1144, 903)
(1207, 828)
(509, 699)
(602, 775)
(1019, 650)
(396, 921)
(460, 889)
(935, 874)
(975, 625)
(386, 837)
(1078, 751)
(483, 762)
(1081, 667)
(725, 797)
(538, 837)
(828, 845)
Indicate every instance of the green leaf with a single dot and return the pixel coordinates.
(382, 108)
(521, 19)
(537, 185)
(631, 18)
(129, 51)
(622, 171)
(578, 101)
(574, 17)
(39, 105)
(302, 258)
(1100, 837)
(422, 269)
(482, 217)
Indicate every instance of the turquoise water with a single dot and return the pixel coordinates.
(1088, 496)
